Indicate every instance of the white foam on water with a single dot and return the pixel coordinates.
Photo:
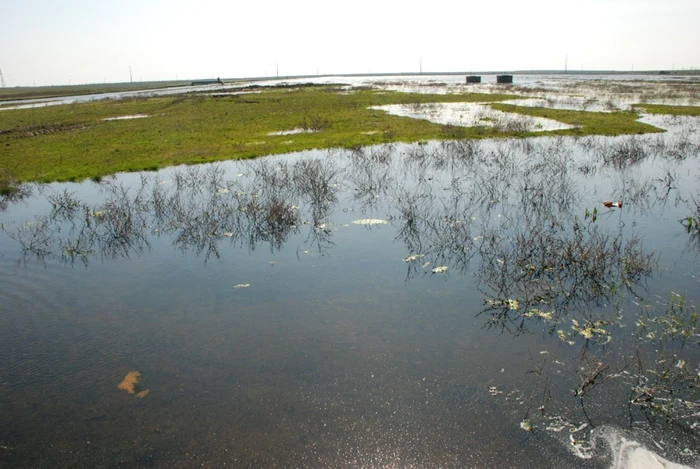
(634, 456)
(627, 453)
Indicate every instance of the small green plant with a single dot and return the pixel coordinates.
(592, 214)
(9, 186)
(11, 189)
(688, 223)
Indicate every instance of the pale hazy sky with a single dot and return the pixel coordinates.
(46, 42)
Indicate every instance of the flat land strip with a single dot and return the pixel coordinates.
(40, 92)
(73, 142)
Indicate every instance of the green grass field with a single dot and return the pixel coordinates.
(72, 142)
(665, 109)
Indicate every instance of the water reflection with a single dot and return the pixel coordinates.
(12, 191)
(529, 250)
(473, 115)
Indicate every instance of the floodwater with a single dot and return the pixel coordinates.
(577, 85)
(456, 304)
(473, 114)
(129, 117)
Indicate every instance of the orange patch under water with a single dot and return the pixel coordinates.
(130, 384)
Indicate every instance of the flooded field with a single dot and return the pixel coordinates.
(471, 115)
(492, 304)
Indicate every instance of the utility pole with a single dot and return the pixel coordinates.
(566, 63)
(131, 77)
(2, 79)
(278, 69)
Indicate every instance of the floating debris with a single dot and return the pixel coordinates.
(494, 391)
(525, 425)
(426, 264)
(539, 313)
(143, 393)
(579, 428)
(414, 257)
(241, 285)
(557, 425)
(511, 304)
(565, 337)
(591, 330)
(228, 234)
(587, 333)
(440, 269)
(369, 221)
(223, 191)
(610, 204)
(581, 448)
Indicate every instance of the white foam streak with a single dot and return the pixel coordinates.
(632, 455)
(626, 452)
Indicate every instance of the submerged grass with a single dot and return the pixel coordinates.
(73, 142)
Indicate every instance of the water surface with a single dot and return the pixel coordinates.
(272, 331)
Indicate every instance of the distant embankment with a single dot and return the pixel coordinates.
(208, 82)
